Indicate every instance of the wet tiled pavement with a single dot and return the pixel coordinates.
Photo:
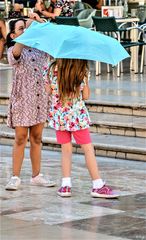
(38, 213)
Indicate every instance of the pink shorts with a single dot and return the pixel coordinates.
(81, 136)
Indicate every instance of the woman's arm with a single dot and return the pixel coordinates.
(47, 13)
(35, 17)
(17, 49)
(3, 29)
(56, 13)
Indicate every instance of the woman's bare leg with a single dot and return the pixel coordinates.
(35, 136)
(21, 134)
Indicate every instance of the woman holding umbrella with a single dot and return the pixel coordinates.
(28, 106)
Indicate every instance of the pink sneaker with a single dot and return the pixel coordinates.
(104, 192)
(64, 191)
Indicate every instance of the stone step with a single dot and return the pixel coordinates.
(105, 145)
(117, 108)
(106, 123)
(102, 107)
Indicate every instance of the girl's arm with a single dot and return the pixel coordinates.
(86, 90)
(47, 83)
(48, 88)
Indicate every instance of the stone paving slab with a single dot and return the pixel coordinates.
(33, 231)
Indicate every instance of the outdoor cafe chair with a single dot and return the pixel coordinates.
(142, 36)
(141, 42)
(108, 25)
(85, 18)
(67, 21)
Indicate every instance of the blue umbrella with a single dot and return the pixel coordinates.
(63, 41)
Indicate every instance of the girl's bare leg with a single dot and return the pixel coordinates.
(91, 161)
(35, 136)
(21, 134)
(66, 159)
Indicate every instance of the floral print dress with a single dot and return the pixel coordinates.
(71, 116)
(66, 7)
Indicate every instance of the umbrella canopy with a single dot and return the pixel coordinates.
(63, 41)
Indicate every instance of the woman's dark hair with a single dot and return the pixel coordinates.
(12, 24)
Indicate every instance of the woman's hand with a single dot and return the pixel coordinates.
(29, 22)
(36, 17)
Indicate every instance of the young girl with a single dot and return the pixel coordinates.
(28, 108)
(68, 115)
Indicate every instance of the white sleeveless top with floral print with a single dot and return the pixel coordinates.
(71, 116)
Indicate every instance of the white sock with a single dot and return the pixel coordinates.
(98, 183)
(66, 182)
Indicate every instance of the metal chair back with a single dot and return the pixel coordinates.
(67, 21)
(105, 24)
(85, 18)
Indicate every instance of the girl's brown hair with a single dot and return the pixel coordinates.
(71, 73)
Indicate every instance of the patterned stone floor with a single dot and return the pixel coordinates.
(38, 213)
